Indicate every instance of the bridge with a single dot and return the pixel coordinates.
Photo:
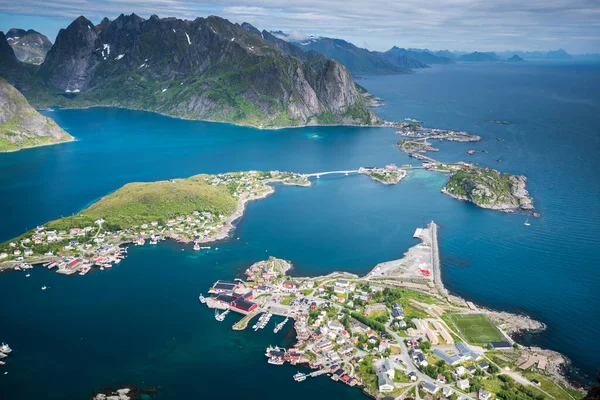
(319, 174)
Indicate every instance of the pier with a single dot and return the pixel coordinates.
(435, 260)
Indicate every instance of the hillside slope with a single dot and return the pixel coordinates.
(21, 126)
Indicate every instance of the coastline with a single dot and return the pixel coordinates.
(384, 124)
(73, 139)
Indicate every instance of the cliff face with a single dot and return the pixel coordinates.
(29, 46)
(488, 188)
(21, 126)
(208, 69)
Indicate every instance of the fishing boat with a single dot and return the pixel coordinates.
(275, 361)
(202, 299)
(526, 222)
(5, 349)
(299, 377)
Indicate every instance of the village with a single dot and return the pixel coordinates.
(78, 249)
(392, 341)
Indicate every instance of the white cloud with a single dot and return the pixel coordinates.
(453, 24)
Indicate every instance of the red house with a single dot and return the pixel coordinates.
(244, 305)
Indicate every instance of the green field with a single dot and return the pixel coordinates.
(477, 328)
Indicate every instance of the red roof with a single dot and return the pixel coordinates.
(73, 263)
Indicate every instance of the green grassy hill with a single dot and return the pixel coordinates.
(143, 202)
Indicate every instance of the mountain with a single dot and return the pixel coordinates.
(29, 46)
(515, 58)
(559, 54)
(358, 60)
(208, 68)
(423, 57)
(11, 69)
(438, 53)
(21, 126)
(478, 57)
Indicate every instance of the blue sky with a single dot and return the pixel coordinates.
(466, 25)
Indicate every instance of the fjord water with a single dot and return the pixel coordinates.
(141, 321)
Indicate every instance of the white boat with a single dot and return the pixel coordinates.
(27, 276)
(202, 299)
(527, 223)
(101, 268)
(280, 325)
(299, 377)
(5, 349)
(196, 247)
(44, 287)
(275, 361)
(2, 355)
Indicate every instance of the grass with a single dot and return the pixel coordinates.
(483, 186)
(143, 202)
(552, 388)
(287, 300)
(477, 328)
(378, 313)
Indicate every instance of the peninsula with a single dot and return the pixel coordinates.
(199, 209)
(21, 126)
(395, 333)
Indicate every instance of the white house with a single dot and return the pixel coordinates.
(463, 384)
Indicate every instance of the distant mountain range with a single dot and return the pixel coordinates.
(208, 68)
(559, 54)
(29, 46)
(359, 60)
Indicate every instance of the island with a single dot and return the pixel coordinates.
(488, 188)
(390, 175)
(415, 130)
(395, 332)
(21, 126)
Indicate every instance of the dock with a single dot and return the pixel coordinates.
(243, 323)
(435, 259)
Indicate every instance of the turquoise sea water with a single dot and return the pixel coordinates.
(141, 322)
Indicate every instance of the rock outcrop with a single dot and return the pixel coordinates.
(207, 68)
(21, 126)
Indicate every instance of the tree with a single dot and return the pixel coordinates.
(425, 345)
